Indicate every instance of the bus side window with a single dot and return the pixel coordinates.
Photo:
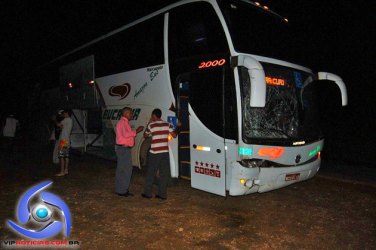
(195, 36)
(206, 98)
(136, 47)
(207, 95)
(195, 29)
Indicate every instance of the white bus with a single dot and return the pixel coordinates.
(249, 116)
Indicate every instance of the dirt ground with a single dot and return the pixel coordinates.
(321, 213)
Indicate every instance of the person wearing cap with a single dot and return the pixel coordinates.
(64, 142)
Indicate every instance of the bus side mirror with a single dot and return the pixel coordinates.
(338, 80)
(257, 77)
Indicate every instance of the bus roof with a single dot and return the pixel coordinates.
(142, 19)
(122, 28)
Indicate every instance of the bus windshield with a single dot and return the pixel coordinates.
(291, 110)
(257, 31)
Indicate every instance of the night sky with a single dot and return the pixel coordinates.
(338, 37)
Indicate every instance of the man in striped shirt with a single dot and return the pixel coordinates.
(158, 158)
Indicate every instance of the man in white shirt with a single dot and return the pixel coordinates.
(64, 142)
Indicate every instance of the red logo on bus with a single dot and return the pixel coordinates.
(121, 90)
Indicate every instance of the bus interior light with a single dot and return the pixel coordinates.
(200, 39)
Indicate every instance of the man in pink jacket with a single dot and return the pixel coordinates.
(124, 143)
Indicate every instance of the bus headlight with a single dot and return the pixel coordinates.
(249, 183)
(243, 181)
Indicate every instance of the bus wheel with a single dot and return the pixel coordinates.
(143, 156)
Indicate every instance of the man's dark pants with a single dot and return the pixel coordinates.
(159, 161)
(124, 169)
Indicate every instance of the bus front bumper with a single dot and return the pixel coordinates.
(251, 180)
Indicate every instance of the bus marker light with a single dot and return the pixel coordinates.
(273, 153)
(315, 151)
(169, 137)
(245, 151)
(243, 182)
(298, 143)
(203, 148)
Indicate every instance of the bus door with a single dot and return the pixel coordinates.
(200, 110)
